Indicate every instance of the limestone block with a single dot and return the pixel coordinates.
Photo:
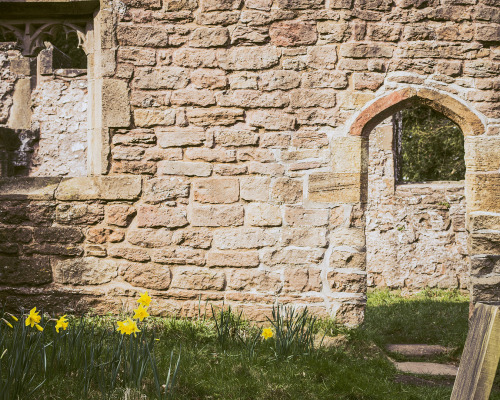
(249, 58)
(142, 35)
(233, 259)
(129, 253)
(209, 37)
(312, 98)
(271, 120)
(483, 220)
(329, 187)
(262, 214)
(352, 237)
(216, 190)
(292, 256)
(232, 137)
(115, 103)
(79, 214)
(483, 192)
(347, 282)
(300, 4)
(304, 237)
(287, 190)
(321, 57)
(324, 79)
(158, 190)
(244, 238)
(220, 5)
(85, 271)
(100, 235)
(150, 237)
(221, 18)
(350, 155)
(148, 276)
(299, 216)
(176, 5)
(366, 50)
(293, 33)
(255, 188)
(20, 112)
(137, 56)
(210, 155)
(154, 216)
(99, 188)
(486, 289)
(195, 58)
(309, 139)
(214, 116)
(219, 215)
(35, 270)
(252, 99)
(254, 279)
(209, 79)
(178, 255)
(196, 238)
(198, 279)
(347, 259)
(302, 280)
(263, 5)
(485, 265)
(162, 78)
(57, 234)
(120, 214)
(368, 81)
(250, 35)
(28, 188)
(180, 136)
(482, 154)
(484, 242)
(184, 168)
(148, 117)
(193, 97)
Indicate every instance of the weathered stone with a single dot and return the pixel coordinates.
(129, 253)
(35, 270)
(162, 78)
(248, 279)
(153, 117)
(194, 58)
(483, 220)
(271, 120)
(322, 57)
(220, 5)
(293, 33)
(179, 256)
(210, 155)
(346, 259)
(482, 154)
(216, 190)
(485, 242)
(232, 259)
(142, 35)
(56, 234)
(286, 190)
(312, 98)
(325, 79)
(335, 188)
(244, 34)
(298, 216)
(209, 37)
(153, 216)
(244, 238)
(100, 188)
(300, 4)
(292, 256)
(148, 276)
(150, 237)
(483, 193)
(304, 237)
(252, 99)
(214, 116)
(119, 214)
(32, 188)
(347, 282)
(263, 214)
(198, 239)
(180, 136)
(184, 168)
(302, 280)
(222, 215)
(198, 279)
(235, 137)
(250, 58)
(365, 50)
(158, 190)
(85, 271)
(209, 79)
(79, 214)
(255, 188)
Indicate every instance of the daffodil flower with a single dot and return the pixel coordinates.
(267, 333)
(39, 327)
(128, 327)
(141, 313)
(33, 318)
(145, 299)
(13, 317)
(7, 322)
(61, 323)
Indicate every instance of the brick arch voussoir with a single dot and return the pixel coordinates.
(396, 101)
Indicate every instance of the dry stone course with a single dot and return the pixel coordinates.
(228, 157)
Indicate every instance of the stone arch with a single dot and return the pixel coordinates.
(384, 107)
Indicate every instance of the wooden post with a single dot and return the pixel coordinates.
(481, 354)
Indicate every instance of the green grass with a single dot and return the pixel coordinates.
(355, 370)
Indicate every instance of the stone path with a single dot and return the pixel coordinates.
(418, 367)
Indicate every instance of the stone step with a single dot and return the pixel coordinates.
(417, 350)
(426, 368)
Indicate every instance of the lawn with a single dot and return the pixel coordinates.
(230, 360)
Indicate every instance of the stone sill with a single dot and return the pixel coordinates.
(432, 185)
(114, 187)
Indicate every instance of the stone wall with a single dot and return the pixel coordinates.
(240, 173)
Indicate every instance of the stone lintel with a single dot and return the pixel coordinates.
(46, 8)
(28, 188)
(100, 188)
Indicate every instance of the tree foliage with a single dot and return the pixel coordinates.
(432, 147)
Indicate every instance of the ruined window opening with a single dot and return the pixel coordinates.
(427, 147)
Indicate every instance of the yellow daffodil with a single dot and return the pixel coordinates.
(33, 318)
(128, 327)
(145, 299)
(140, 313)
(267, 333)
(7, 322)
(61, 323)
(13, 317)
(39, 327)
